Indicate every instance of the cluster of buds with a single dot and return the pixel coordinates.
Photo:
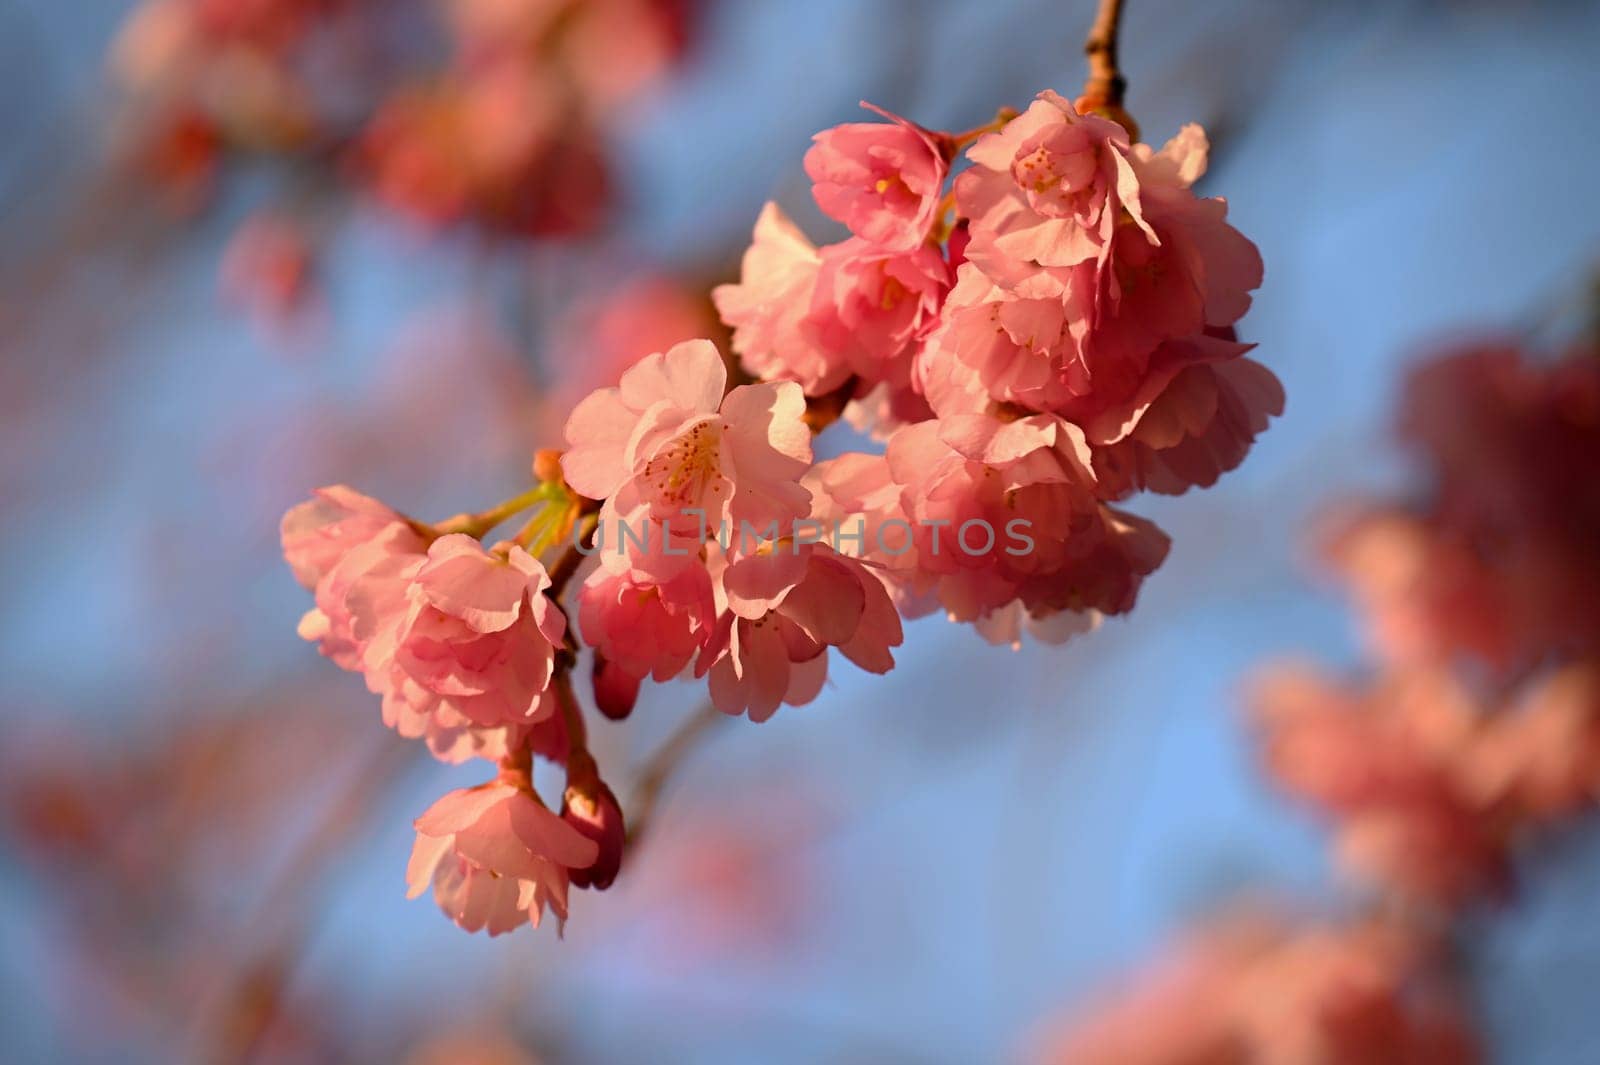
(1045, 339)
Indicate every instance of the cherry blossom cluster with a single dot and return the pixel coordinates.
(1476, 730)
(1049, 336)
(1480, 722)
(1262, 987)
(473, 112)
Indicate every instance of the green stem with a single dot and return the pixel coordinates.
(476, 525)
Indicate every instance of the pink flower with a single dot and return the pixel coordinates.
(881, 181)
(363, 591)
(856, 495)
(1007, 511)
(994, 344)
(496, 857)
(1047, 190)
(1200, 425)
(1093, 276)
(1255, 989)
(1426, 595)
(269, 268)
(1510, 439)
(667, 442)
(1541, 757)
(1186, 270)
(768, 309)
(363, 601)
(1390, 763)
(786, 608)
(645, 628)
(459, 642)
(596, 814)
(479, 633)
(871, 305)
(337, 519)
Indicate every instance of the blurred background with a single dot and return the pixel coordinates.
(298, 243)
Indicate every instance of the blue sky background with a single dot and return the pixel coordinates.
(991, 834)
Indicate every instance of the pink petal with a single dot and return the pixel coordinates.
(463, 581)
(690, 375)
(597, 434)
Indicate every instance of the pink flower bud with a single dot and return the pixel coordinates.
(615, 689)
(598, 816)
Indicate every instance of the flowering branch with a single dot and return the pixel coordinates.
(1029, 323)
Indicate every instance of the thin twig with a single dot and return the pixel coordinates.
(658, 769)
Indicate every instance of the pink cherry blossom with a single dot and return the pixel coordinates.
(1047, 190)
(496, 857)
(667, 442)
(362, 592)
(856, 499)
(479, 634)
(269, 269)
(995, 344)
(1255, 988)
(596, 814)
(1093, 276)
(459, 642)
(768, 310)
(645, 628)
(871, 305)
(1541, 757)
(316, 534)
(1042, 536)
(1424, 594)
(1389, 763)
(786, 608)
(883, 181)
(1184, 271)
(1200, 425)
(1510, 440)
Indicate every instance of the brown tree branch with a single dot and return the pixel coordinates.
(1105, 86)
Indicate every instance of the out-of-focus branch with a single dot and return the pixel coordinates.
(252, 997)
(659, 768)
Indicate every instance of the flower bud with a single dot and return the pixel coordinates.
(547, 466)
(615, 689)
(595, 813)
